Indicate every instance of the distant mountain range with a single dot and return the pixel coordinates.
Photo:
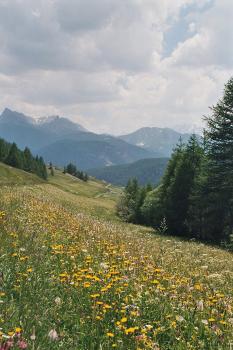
(145, 170)
(92, 153)
(161, 141)
(62, 141)
(35, 133)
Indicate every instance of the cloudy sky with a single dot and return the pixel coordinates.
(115, 65)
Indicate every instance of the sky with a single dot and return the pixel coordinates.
(116, 65)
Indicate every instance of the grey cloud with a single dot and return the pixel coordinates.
(30, 42)
(75, 34)
(85, 15)
(102, 60)
(53, 88)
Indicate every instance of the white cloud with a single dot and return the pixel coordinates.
(102, 61)
(212, 43)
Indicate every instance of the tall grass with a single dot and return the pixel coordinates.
(71, 281)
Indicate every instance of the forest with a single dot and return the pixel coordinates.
(11, 155)
(195, 196)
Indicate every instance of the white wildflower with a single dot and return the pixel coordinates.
(200, 305)
(57, 301)
(53, 334)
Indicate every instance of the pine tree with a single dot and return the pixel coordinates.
(44, 173)
(40, 168)
(169, 175)
(170, 201)
(14, 157)
(219, 181)
(4, 150)
(71, 169)
(197, 222)
(157, 204)
(178, 196)
(28, 160)
(152, 210)
(127, 206)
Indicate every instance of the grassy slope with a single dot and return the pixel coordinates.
(11, 176)
(95, 197)
(60, 257)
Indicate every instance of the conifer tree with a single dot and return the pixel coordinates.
(28, 160)
(219, 182)
(40, 168)
(170, 201)
(157, 203)
(127, 205)
(14, 157)
(199, 204)
(177, 203)
(43, 172)
(4, 150)
(71, 169)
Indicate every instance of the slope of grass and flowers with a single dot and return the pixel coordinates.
(72, 276)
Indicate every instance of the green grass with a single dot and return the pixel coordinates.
(13, 176)
(70, 269)
(94, 197)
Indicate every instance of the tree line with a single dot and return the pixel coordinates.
(11, 155)
(195, 196)
(72, 170)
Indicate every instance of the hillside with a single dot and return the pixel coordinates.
(92, 153)
(74, 277)
(145, 171)
(11, 176)
(158, 140)
(95, 196)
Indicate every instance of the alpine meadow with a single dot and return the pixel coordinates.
(116, 175)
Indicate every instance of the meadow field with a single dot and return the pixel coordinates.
(73, 277)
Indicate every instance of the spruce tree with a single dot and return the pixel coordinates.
(170, 201)
(40, 168)
(157, 204)
(197, 222)
(14, 157)
(44, 173)
(219, 181)
(28, 163)
(4, 150)
(178, 199)
(127, 206)
(71, 169)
